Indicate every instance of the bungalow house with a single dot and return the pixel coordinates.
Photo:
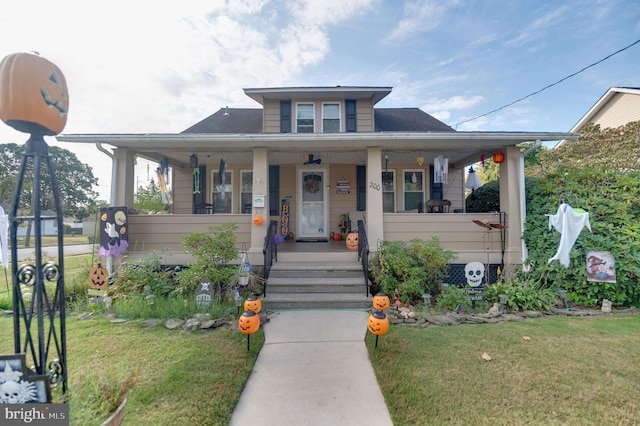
(312, 157)
(617, 107)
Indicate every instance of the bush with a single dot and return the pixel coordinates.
(410, 269)
(143, 277)
(522, 295)
(452, 297)
(612, 200)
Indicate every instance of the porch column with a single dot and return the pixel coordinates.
(512, 202)
(375, 218)
(260, 187)
(123, 179)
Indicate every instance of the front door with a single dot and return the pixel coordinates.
(312, 222)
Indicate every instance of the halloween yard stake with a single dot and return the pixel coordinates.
(378, 324)
(381, 302)
(253, 304)
(249, 323)
(34, 99)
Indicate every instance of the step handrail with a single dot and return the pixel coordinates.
(270, 251)
(363, 254)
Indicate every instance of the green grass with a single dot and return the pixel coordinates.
(170, 377)
(573, 371)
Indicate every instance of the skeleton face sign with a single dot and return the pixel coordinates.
(474, 272)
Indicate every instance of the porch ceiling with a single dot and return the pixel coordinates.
(461, 148)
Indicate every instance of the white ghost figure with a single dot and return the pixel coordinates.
(474, 272)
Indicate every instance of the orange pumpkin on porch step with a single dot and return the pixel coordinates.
(352, 241)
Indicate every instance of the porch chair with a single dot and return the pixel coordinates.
(437, 206)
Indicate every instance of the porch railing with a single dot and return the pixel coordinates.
(270, 251)
(363, 253)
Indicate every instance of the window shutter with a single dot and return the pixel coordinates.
(285, 116)
(274, 190)
(350, 115)
(361, 188)
(436, 188)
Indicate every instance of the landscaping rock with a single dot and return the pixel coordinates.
(173, 323)
(213, 323)
(150, 322)
(512, 317)
(441, 320)
(85, 316)
(192, 324)
(531, 314)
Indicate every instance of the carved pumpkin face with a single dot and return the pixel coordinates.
(33, 94)
(352, 241)
(257, 220)
(378, 323)
(253, 304)
(381, 302)
(98, 277)
(249, 322)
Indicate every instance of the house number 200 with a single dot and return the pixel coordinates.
(374, 185)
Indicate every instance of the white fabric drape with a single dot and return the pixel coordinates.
(4, 237)
(569, 224)
(440, 170)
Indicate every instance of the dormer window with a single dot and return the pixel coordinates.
(330, 118)
(304, 118)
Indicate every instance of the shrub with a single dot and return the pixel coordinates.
(451, 297)
(410, 269)
(523, 296)
(144, 276)
(612, 200)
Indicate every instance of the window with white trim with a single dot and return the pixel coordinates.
(305, 118)
(222, 195)
(388, 191)
(330, 118)
(413, 189)
(246, 191)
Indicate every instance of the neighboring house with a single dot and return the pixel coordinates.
(322, 152)
(617, 107)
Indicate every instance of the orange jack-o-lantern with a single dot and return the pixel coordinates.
(352, 241)
(98, 277)
(378, 323)
(249, 322)
(498, 157)
(33, 94)
(258, 220)
(381, 302)
(253, 304)
(337, 237)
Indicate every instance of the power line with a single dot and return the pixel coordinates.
(550, 85)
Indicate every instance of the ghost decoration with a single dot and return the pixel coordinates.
(474, 272)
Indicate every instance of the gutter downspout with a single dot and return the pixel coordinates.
(523, 199)
(114, 171)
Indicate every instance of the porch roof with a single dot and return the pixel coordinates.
(462, 148)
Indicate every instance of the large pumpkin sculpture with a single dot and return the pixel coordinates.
(249, 322)
(253, 304)
(33, 94)
(352, 241)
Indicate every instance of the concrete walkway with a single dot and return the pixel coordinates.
(313, 369)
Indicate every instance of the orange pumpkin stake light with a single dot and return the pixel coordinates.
(249, 323)
(253, 304)
(381, 302)
(378, 324)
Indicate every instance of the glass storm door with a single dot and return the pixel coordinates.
(312, 222)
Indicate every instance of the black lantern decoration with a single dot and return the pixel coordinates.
(193, 161)
(308, 160)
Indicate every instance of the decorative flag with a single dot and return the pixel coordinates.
(114, 231)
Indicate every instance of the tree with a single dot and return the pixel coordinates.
(75, 181)
(149, 199)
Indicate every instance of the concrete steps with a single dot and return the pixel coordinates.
(321, 284)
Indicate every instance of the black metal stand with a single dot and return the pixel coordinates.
(39, 321)
(376, 346)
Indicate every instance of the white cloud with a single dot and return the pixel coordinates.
(420, 16)
(537, 28)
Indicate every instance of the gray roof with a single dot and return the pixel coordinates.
(249, 121)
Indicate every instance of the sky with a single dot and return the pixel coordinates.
(159, 67)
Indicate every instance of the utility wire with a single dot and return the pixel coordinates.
(550, 85)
